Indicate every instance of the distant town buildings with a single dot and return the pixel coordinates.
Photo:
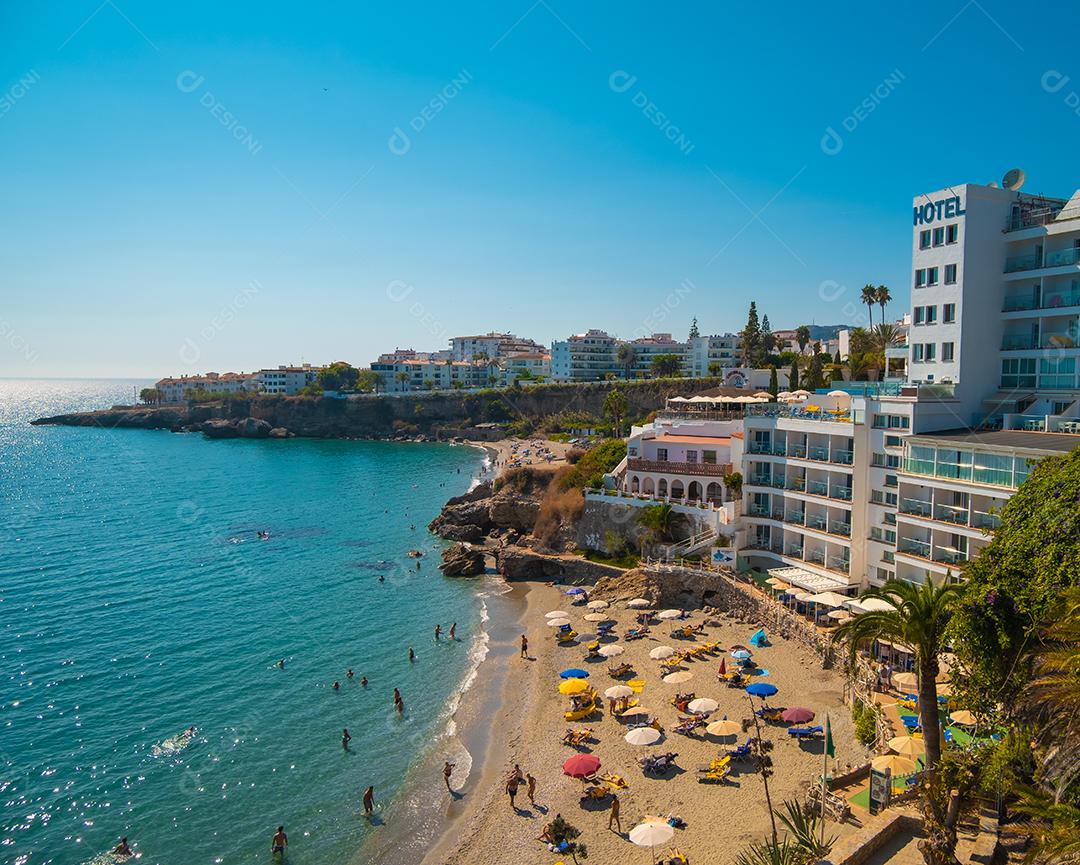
(181, 388)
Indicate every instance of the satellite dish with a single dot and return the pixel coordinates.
(1013, 180)
(994, 185)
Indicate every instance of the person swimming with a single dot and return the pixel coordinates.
(363, 681)
(279, 842)
(281, 664)
(345, 738)
(382, 578)
(123, 848)
(399, 704)
(336, 686)
(349, 673)
(412, 655)
(453, 631)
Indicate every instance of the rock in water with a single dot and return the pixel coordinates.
(218, 428)
(253, 428)
(462, 560)
(279, 432)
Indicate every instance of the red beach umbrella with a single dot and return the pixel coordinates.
(723, 666)
(581, 765)
(797, 715)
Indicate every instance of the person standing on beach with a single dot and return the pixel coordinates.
(511, 789)
(613, 817)
(369, 800)
(531, 781)
(524, 646)
(447, 771)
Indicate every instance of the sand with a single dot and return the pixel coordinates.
(529, 726)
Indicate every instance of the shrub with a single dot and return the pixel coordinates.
(865, 719)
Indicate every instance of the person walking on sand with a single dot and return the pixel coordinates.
(279, 842)
(438, 631)
(511, 789)
(613, 817)
(447, 771)
(531, 782)
(524, 646)
(369, 800)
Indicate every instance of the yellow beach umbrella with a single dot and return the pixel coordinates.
(907, 746)
(894, 763)
(678, 678)
(905, 680)
(724, 728)
(573, 686)
(964, 718)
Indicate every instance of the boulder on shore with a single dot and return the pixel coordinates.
(462, 560)
(253, 428)
(218, 428)
(279, 432)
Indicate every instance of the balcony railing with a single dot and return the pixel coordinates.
(915, 547)
(797, 518)
(949, 556)
(843, 457)
(819, 454)
(759, 511)
(761, 480)
(797, 485)
(786, 411)
(1060, 258)
(842, 493)
(956, 515)
(1017, 263)
(1061, 300)
(679, 468)
(983, 520)
(817, 488)
(817, 522)
(1043, 216)
(915, 507)
(1018, 343)
(838, 527)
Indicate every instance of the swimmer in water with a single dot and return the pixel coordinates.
(281, 664)
(349, 673)
(123, 848)
(369, 800)
(453, 631)
(438, 631)
(412, 655)
(345, 738)
(382, 579)
(363, 681)
(336, 686)
(399, 704)
(280, 842)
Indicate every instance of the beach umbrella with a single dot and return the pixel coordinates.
(669, 614)
(573, 686)
(634, 711)
(724, 728)
(638, 604)
(784, 394)
(595, 617)
(617, 692)
(574, 673)
(576, 590)
(651, 834)
(830, 599)
(558, 623)
(703, 704)
(556, 614)
(894, 763)
(763, 394)
(643, 736)
(597, 605)
(800, 392)
(964, 718)
(797, 715)
(839, 615)
(905, 680)
(761, 689)
(660, 653)
(612, 651)
(805, 597)
(678, 678)
(908, 746)
(581, 766)
(839, 394)
(740, 655)
(723, 667)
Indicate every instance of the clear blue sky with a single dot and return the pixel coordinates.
(541, 199)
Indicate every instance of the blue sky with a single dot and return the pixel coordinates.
(220, 186)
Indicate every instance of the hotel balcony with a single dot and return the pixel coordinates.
(678, 468)
(779, 410)
(1069, 257)
(1050, 300)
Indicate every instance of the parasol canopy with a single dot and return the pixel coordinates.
(762, 689)
(839, 615)
(573, 686)
(964, 718)
(661, 653)
(556, 614)
(703, 704)
(894, 763)
(724, 728)
(797, 715)
(557, 623)
(617, 692)
(643, 736)
(574, 673)
(905, 680)
(651, 834)
(669, 614)
(678, 678)
(830, 599)
(612, 651)
(907, 746)
(597, 605)
(638, 604)
(740, 655)
(581, 766)
(576, 590)
(595, 617)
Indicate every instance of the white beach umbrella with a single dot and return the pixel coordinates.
(652, 834)
(597, 605)
(611, 651)
(558, 623)
(830, 599)
(905, 680)
(724, 728)
(801, 392)
(678, 399)
(643, 736)
(678, 678)
(839, 615)
(839, 394)
(661, 653)
(784, 394)
(595, 617)
(703, 704)
(556, 614)
(617, 692)
(638, 604)
(804, 597)
(669, 614)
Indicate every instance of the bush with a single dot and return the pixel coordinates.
(865, 719)
(589, 471)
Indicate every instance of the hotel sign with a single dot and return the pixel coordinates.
(932, 211)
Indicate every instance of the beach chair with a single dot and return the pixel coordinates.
(741, 752)
(595, 793)
(565, 634)
(592, 650)
(659, 764)
(578, 738)
(581, 707)
(911, 722)
(805, 732)
(625, 707)
(617, 672)
(682, 701)
(770, 714)
(716, 772)
(686, 726)
(605, 629)
(636, 685)
(636, 633)
(615, 782)
(684, 633)
(675, 857)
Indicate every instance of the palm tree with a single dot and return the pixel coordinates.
(401, 377)
(626, 356)
(886, 334)
(883, 297)
(802, 337)
(869, 297)
(658, 519)
(918, 621)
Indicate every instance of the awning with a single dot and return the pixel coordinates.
(807, 580)
(869, 605)
(830, 599)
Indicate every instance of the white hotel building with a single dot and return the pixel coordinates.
(909, 482)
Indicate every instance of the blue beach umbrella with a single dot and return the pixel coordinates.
(761, 689)
(574, 673)
(577, 590)
(740, 655)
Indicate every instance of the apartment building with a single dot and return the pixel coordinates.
(708, 352)
(491, 346)
(287, 380)
(179, 389)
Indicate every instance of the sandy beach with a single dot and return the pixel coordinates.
(511, 453)
(721, 818)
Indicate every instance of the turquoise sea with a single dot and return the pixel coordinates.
(136, 599)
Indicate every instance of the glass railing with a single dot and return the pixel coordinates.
(1064, 299)
(1017, 263)
(759, 511)
(761, 480)
(820, 454)
(1016, 304)
(796, 484)
(843, 493)
(777, 482)
(795, 517)
(983, 520)
(1018, 343)
(837, 527)
(815, 556)
(949, 557)
(915, 547)
(843, 457)
(778, 450)
(816, 522)
(872, 389)
(795, 551)
(1063, 257)
(951, 514)
(797, 451)
(839, 563)
(915, 507)
(817, 488)
(790, 411)
(778, 515)
(760, 448)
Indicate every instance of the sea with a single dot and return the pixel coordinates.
(137, 599)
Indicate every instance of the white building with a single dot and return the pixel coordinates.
(708, 352)
(179, 389)
(491, 346)
(287, 380)
(585, 356)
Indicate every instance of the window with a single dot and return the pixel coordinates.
(661, 455)
(917, 353)
(948, 313)
(890, 499)
(951, 233)
(920, 314)
(890, 480)
(920, 277)
(893, 442)
(708, 457)
(1018, 372)
(892, 461)
(1057, 373)
(950, 274)
(931, 352)
(931, 315)
(924, 239)
(931, 276)
(939, 236)
(691, 456)
(947, 352)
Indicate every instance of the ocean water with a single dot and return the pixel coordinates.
(136, 600)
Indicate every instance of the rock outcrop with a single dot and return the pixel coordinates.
(462, 560)
(512, 505)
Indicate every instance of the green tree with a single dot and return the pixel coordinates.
(368, 381)
(814, 377)
(658, 520)
(401, 377)
(920, 618)
(694, 332)
(714, 369)
(429, 384)
(666, 365)
(751, 337)
(615, 409)
(625, 355)
(882, 295)
(338, 376)
(802, 337)
(150, 395)
(869, 297)
(774, 382)
(768, 341)
(793, 376)
(733, 484)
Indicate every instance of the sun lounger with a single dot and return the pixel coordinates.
(805, 732)
(687, 727)
(658, 765)
(716, 772)
(741, 752)
(578, 738)
(621, 670)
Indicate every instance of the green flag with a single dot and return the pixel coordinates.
(830, 749)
